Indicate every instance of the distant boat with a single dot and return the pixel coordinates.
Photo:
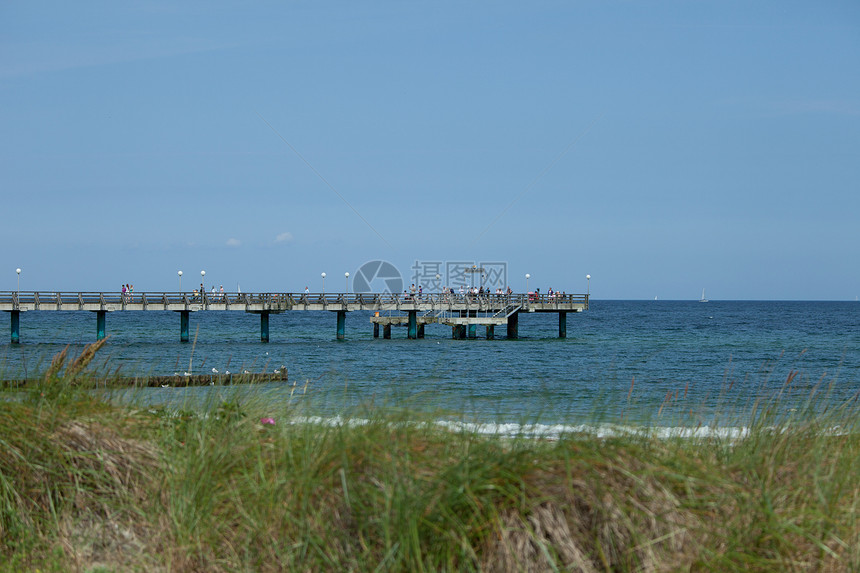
(703, 299)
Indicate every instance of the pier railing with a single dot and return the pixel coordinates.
(255, 302)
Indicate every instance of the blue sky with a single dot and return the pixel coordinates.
(661, 147)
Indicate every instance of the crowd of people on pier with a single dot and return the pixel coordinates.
(471, 292)
(412, 293)
(215, 295)
(127, 292)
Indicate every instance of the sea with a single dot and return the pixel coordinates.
(671, 365)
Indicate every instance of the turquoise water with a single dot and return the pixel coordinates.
(622, 361)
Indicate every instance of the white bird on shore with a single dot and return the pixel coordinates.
(165, 385)
(214, 371)
(245, 372)
(226, 372)
(186, 373)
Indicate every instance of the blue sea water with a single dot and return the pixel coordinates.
(660, 362)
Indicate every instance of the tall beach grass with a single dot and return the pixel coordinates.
(237, 482)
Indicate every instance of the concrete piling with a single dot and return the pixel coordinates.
(412, 325)
(183, 325)
(341, 324)
(264, 327)
(100, 324)
(16, 326)
(514, 325)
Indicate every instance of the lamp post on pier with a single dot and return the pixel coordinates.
(528, 276)
(323, 278)
(346, 276)
(18, 272)
(472, 271)
(180, 281)
(587, 285)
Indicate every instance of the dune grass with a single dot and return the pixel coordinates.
(240, 484)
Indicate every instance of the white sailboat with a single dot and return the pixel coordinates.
(703, 299)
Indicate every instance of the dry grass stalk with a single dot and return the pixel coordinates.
(536, 543)
(110, 542)
(109, 468)
(57, 363)
(86, 356)
(607, 517)
(96, 447)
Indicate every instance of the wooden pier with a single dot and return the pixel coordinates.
(462, 312)
(177, 380)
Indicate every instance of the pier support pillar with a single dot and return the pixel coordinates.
(412, 325)
(562, 325)
(375, 330)
(473, 331)
(341, 324)
(420, 331)
(183, 325)
(458, 331)
(264, 327)
(386, 331)
(100, 324)
(514, 325)
(16, 326)
(491, 331)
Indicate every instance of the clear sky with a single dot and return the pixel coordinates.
(661, 147)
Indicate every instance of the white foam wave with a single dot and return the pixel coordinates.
(554, 431)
